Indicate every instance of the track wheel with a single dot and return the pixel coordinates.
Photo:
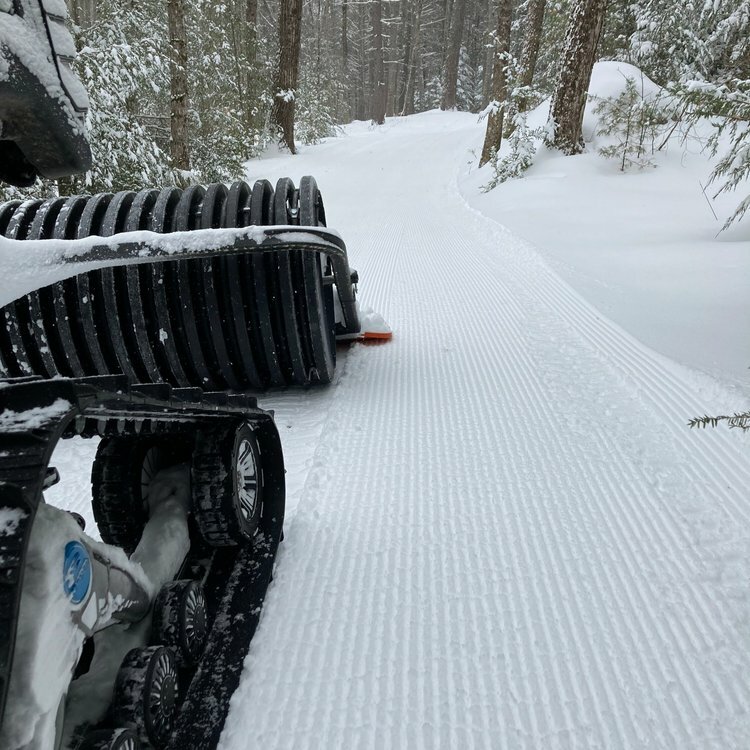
(110, 739)
(146, 694)
(120, 477)
(226, 484)
(181, 620)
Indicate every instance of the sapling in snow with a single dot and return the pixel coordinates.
(635, 120)
(524, 142)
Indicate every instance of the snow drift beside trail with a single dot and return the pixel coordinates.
(643, 246)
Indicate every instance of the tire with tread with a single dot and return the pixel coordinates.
(122, 469)
(110, 739)
(181, 620)
(145, 698)
(225, 515)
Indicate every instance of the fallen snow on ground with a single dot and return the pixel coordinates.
(501, 533)
(643, 246)
(507, 536)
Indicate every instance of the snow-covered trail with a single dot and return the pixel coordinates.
(500, 532)
(507, 537)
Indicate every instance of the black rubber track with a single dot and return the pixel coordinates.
(319, 317)
(107, 310)
(227, 323)
(8, 365)
(42, 332)
(163, 284)
(184, 305)
(16, 316)
(138, 317)
(263, 300)
(65, 298)
(291, 295)
(234, 312)
(235, 580)
(206, 276)
(99, 352)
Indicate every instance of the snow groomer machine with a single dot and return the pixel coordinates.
(160, 313)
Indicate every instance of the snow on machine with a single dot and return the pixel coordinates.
(145, 319)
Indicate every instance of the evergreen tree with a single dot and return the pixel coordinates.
(121, 64)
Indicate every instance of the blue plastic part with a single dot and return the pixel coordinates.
(76, 572)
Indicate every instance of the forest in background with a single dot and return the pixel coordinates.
(187, 90)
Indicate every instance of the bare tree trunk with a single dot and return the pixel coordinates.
(531, 42)
(82, 12)
(380, 91)
(446, 23)
(494, 135)
(412, 62)
(529, 56)
(361, 77)
(290, 34)
(251, 31)
(450, 71)
(178, 85)
(407, 33)
(392, 70)
(487, 63)
(247, 75)
(344, 34)
(578, 56)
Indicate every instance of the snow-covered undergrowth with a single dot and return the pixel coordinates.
(644, 245)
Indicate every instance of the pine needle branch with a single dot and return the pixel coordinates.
(737, 420)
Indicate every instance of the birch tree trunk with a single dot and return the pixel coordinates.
(290, 34)
(450, 72)
(178, 86)
(579, 53)
(494, 135)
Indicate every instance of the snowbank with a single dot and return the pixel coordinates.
(643, 246)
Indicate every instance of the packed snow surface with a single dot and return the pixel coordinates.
(501, 533)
